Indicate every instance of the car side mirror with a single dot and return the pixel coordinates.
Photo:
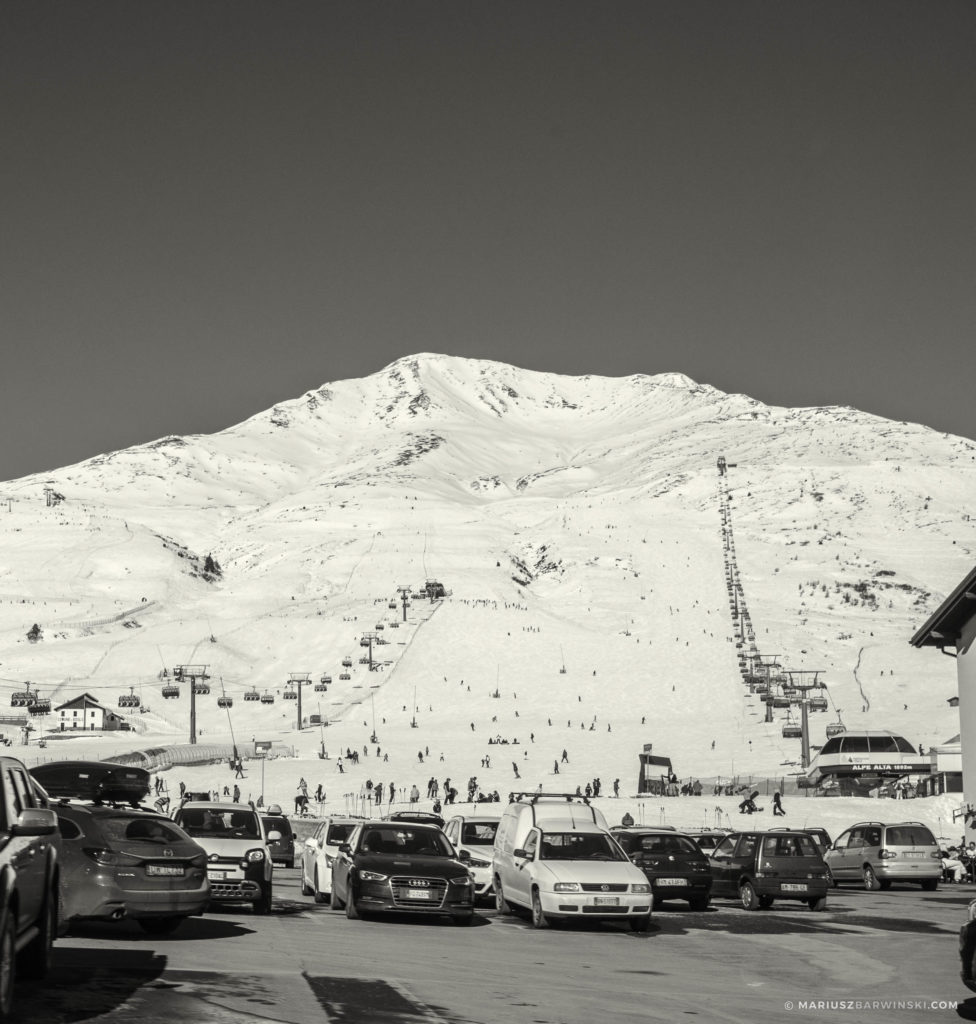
(345, 848)
(39, 821)
(274, 836)
(520, 853)
(464, 855)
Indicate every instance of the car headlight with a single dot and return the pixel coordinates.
(254, 855)
(567, 887)
(637, 887)
(461, 880)
(372, 876)
(475, 863)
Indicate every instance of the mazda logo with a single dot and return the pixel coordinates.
(167, 852)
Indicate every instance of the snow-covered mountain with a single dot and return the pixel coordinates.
(575, 522)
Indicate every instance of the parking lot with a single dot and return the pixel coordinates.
(877, 956)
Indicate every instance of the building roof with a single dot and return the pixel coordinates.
(85, 700)
(945, 625)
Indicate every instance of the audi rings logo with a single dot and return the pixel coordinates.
(419, 883)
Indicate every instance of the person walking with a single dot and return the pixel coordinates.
(778, 805)
(237, 794)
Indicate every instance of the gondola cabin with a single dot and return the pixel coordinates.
(21, 700)
(41, 706)
(344, 675)
(200, 686)
(290, 695)
(225, 702)
(320, 687)
(792, 731)
(392, 605)
(129, 700)
(818, 703)
(250, 695)
(836, 728)
(267, 698)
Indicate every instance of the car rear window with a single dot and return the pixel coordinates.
(281, 825)
(789, 846)
(909, 835)
(667, 844)
(143, 830)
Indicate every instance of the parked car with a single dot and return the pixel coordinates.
(401, 866)
(319, 852)
(120, 859)
(673, 863)
(474, 834)
(967, 948)
(30, 880)
(877, 854)
(819, 835)
(707, 839)
(239, 865)
(554, 856)
(283, 849)
(760, 867)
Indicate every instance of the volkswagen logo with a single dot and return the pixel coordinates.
(605, 887)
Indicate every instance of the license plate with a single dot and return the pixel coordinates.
(669, 881)
(606, 901)
(163, 869)
(790, 887)
(918, 855)
(216, 876)
(418, 894)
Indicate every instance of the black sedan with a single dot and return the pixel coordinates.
(674, 864)
(404, 867)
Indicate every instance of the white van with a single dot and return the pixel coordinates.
(555, 856)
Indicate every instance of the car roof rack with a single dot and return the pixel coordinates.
(534, 796)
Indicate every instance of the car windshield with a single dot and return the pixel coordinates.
(578, 846)
(339, 833)
(277, 825)
(789, 846)
(207, 821)
(405, 842)
(479, 833)
(667, 844)
(144, 830)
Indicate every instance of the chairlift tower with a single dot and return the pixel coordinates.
(192, 673)
(804, 702)
(297, 679)
(404, 592)
(367, 640)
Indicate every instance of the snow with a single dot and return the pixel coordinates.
(575, 521)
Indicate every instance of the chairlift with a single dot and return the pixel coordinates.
(364, 642)
(267, 698)
(780, 700)
(252, 695)
(836, 728)
(171, 691)
(21, 700)
(129, 700)
(344, 675)
(41, 706)
(392, 605)
(394, 624)
(290, 695)
(199, 687)
(325, 680)
(225, 702)
(792, 730)
(320, 687)
(379, 625)
(347, 662)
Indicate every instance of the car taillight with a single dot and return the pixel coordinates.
(109, 858)
(887, 854)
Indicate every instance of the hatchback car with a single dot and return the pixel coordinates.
(474, 834)
(404, 867)
(124, 862)
(320, 850)
(673, 863)
(283, 849)
(760, 867)
(877, 854)
(239, 865)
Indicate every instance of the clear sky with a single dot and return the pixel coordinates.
(209, 207)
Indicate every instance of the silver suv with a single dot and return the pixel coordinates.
(239, 864)
(877, 854)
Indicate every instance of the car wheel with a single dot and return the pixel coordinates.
(35, 958)
(501, 904)
(640, 923)
(463, 919)
(698, 903)
(539, 919)
(159, 925)
(320, 897)
(748, 897)
(352, 911)
(262, 905)
(307, 890)
(765, 902)
(817, 903)
(8, 965)
(870, 878)
(930, 884)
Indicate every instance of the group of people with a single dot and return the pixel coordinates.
(959, 863)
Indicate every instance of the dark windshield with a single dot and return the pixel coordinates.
(146, 830)
(339, 833)
(405, 842)
(579, 846)
(479, 833)
(204, 822)
(909, 835)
